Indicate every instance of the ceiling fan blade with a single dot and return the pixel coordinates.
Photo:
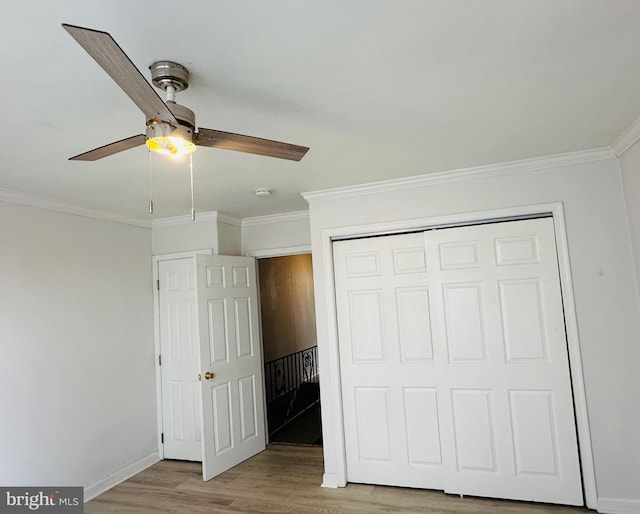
(249, 144)
(108, 54)
(110, 149)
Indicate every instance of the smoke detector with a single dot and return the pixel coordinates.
(263, 192)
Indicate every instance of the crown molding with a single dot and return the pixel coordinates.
(201, 217)
(276, 218)
(472, 173)
(174, 221)
(626, 140)
(41, 202)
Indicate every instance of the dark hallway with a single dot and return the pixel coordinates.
(289, 343)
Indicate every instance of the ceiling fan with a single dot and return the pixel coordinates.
(171, 127)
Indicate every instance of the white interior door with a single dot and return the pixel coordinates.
(231, 362)
(180, 357)
(454, 364)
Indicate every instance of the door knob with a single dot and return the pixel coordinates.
(208, 375)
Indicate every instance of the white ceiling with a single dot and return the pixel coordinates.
(377, 89)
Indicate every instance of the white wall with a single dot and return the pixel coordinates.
(76, 348)
(174, 235)
(606, 297)
(210, 230)
(229, 238)
(281, 231)
(630, 166)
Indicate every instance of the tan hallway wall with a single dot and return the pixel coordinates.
(287, 305)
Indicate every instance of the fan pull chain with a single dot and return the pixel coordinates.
(150, 187)
(193, 209)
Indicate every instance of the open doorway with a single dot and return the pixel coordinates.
(291, 374)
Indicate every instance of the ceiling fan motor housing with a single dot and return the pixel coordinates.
(186, 124)
(173, 78)
(169, 73)
(161, 129)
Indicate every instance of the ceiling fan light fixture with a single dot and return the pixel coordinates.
(175, 147)
(165, 139)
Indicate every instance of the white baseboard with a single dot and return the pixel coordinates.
(98, 488)
(618, 506)
(330, 480)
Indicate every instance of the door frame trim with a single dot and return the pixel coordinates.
(279, 252)
(156, 259)
(337, 434)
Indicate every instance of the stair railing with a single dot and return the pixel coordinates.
(283, 375)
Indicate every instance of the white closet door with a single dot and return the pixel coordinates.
(389, 365)
(454, 365)
(509, 427)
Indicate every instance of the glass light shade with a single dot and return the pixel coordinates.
(174, 146)
(168, 140)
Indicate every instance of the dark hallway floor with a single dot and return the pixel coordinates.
(306, 428)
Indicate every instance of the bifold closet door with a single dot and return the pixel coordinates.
(454, 363)
(390, 368)
(508, 422)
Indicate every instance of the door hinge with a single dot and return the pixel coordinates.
(159, 360)
(158, 285)
(162, 437)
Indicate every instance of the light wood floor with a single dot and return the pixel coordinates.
(284, 478)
